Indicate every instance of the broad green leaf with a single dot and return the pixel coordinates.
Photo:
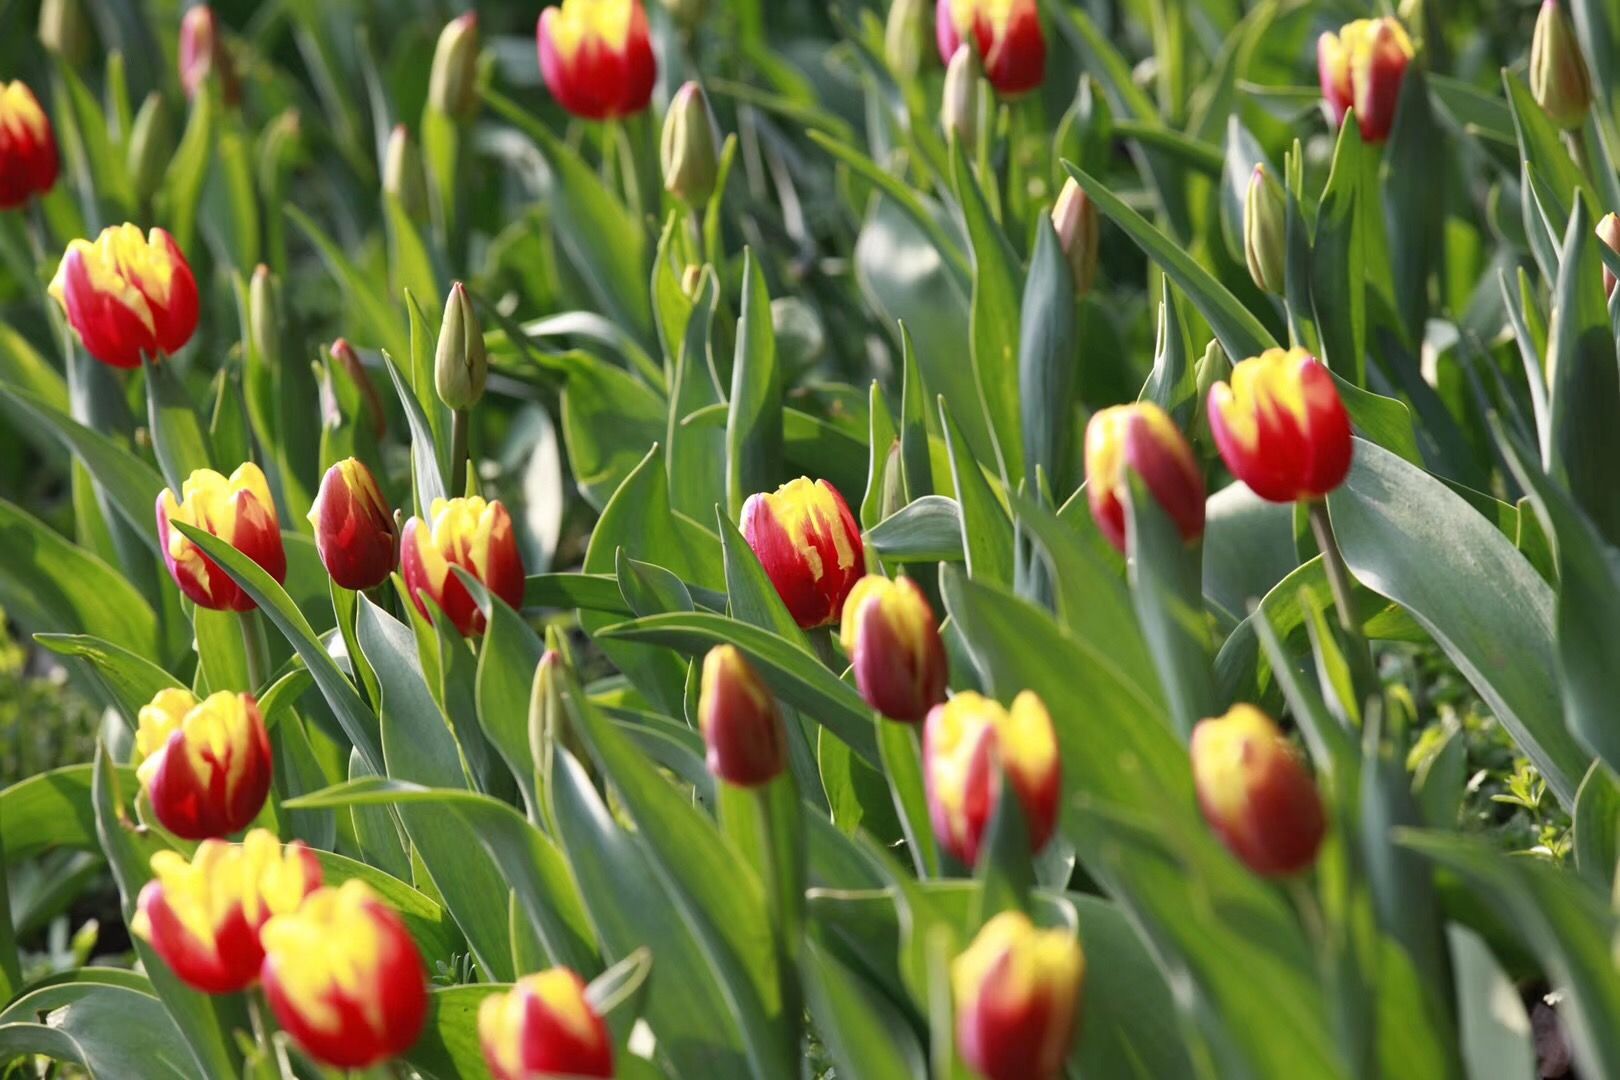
(1597, 826)
(916, 465)
(610, 420)
(987, 535)
(373, 320)
(1047, 361)
(1339, 260)
(100, 1026)
(865, 1035)
(426, 469)
(1541, 147)
(928, 529)
(1495, 1036)
(131, 680)
(1130, 1029)
(753, 424)
(449, 1046)
(52, 810)
(177, 433)
(692, 449)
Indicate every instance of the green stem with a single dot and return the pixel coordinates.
(255, 651)
(458, 450)
(1338, 573)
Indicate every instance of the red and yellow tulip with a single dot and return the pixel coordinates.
(28, 159)
(237, 509)
(344, 978)
(970, 744)
(203, 917)
(1281, 427)
(1017, 992)
(544, 1026)
(354, 527)
(596, 57)
(810, 546)
(474, 535)
(1007, 35)
(739, 721)
(1141, 437)
(127, 295)
(205, 765)
(1256, 793)
(893, 642)
(1362, 67)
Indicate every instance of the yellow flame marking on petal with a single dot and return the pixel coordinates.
(20, 112)
(578, 22)
(332, 943)
(259, 874)
(803, 506)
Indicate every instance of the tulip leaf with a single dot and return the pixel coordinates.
(373, 321)
(1541, 147)
(927, 529)
(1130, 1026)
(883, 480)
(1339, 260)
(449, 1046)
(506, 664)
(177, 433)
(753, 423)
(1046, 361)
(1415, 205)
(609, 420)
(100, 1026)
(131, 680)
(916, 465)
(52, 810)
(426, 469)
(987, 535)
(866, 1037)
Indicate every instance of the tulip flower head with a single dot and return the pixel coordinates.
(28, 160)
(203, 917)
(474, 535)
(344, 978)
(892, 638)
(905, 38)
(1017, 992)
(239, 511)
(970, 744)
(1141, 437)
(688, 152)
(1362, 67)
(1265, 232)
(596, 57)
(544, 1026)
(127, 295)
(1075, 220)
(1559, 79)
(453, 78)
(354, 527)
(959, 101)
(205, 765)
(1256, 793)
(460, 362)
(739, 721)
(203, 53)
(1006, 34)
(810, 546)
(1608, 231)
(1281, 427)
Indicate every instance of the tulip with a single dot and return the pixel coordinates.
(1362, 66)
(344, 978)
(1256, 793)
(151, 145)
(203, 53)
(28, 161)
(691, 164)
(1075, 219)
(596, 57)
(1280, 426)
(240, 512)
(354, 527)
(63, 30)
(205, 765)
(1559, 79)
(203, 917)
(1265, 232)
(893, 641)
(738, 717)
(1608, 231)
(1006, 34)
(344, 356)
(474, 535)
(544, 1026)
(127, 295)
(404, 176)
(969, 744)
(461, 363)
(810, 547)
(959, 103)
(905, 38)
(1017, 992)
(1141, 437)
(453, 78)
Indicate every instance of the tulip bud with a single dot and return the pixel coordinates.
(905, 38)
(1075, 219)
(544, 1026)
(1017, 992)
(460, 365)
(969, 744)
(1256, 793)
(1281, 427)
(344, 978)
(738, 717)
(240, 512)
(959, 106)
(203, 917)
(1265, 232)
(546, 721)
(474, 535)
(63, 30)
(810, 546)
(281, 146)
(690, 161)
(404, 177)
(692, 281)
(1212, 367)
(1006, 34)
(1362, 66)
(127, 295)
(28, 159)
(203, 54)
(453, 79)
(1608, 231)
(596, 57)
(205, 765)
(354, 527)
(151, 142)
(1141, 438)
(893, 642)
(344, 356)
(1559, 78)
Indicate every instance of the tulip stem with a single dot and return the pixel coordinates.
(1338, 574)
(255, 651)
(458, 450)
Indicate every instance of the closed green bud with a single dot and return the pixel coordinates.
(264, 324)
(403, 175)
(959, 106)
(1213, 367)
(906, 39)
(1265, 231)
(63, 31)
(151, 143)
(1559, 79)
(688, 151)
(460, 365)
(1075, 219)
(453, 81)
